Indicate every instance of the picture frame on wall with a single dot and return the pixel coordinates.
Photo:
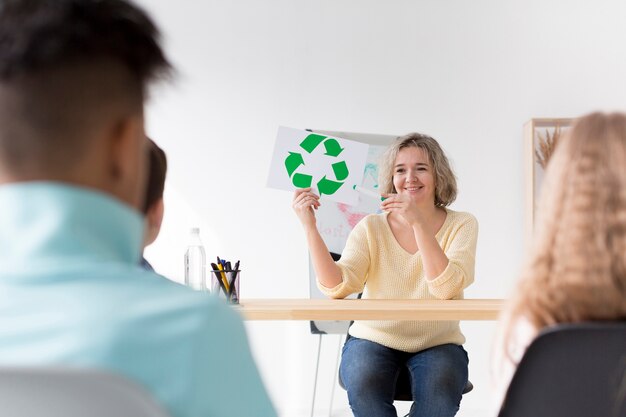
(540, 137)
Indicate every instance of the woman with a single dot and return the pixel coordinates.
(415, 249)
(577, 266)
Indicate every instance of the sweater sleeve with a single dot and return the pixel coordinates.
(461, 253)
(354, 264)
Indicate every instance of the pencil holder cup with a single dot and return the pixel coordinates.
(225, 284)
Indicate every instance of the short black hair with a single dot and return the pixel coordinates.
(37, 35)
(66, 68)
(156, 175)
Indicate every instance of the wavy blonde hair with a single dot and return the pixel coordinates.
(577, 266)
(445, 180)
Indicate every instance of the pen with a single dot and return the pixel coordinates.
(233, 296)
(232, 291)
(368, 192)
(219, 279)
(221, 269)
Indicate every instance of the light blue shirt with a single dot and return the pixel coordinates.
(72, 292)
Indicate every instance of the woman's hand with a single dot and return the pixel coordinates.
(304, 201)
(403, 205)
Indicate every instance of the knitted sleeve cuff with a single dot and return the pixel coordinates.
(338, 291)
(449, 284)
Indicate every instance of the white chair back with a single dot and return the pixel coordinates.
(60, 392)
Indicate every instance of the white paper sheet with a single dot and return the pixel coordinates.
(330, 165)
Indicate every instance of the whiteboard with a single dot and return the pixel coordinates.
(335, 221)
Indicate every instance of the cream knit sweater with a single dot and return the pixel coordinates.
(373, 262)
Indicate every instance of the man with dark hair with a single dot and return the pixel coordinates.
(73, 155)
(153, 207)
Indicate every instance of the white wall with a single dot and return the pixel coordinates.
(469, 73)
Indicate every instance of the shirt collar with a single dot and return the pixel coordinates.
(46, 223)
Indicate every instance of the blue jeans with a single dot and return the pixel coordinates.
(369, 372)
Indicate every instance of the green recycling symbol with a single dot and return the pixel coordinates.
(324, 185)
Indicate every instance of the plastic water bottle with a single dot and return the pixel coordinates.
(195, 261)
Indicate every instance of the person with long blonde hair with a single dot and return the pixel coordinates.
(417, 248)
(577, 266)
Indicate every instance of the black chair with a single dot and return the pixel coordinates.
(571, 370)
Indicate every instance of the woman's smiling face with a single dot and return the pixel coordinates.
(413, 175)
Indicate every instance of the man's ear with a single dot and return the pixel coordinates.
(155, 214)
(154, 219)
(127, 160)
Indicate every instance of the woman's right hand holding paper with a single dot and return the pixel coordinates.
(304, 202)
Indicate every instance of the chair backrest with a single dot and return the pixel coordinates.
(60, 392)
(573, 370)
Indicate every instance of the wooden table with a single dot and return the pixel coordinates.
(326, 309)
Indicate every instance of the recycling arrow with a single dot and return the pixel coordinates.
(333, 148)
(310, 142)
(341, 170)
(326, 186)
(302, 180)
(293, 161)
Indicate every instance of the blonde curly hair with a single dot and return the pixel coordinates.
(577, 266)
(445, 180)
